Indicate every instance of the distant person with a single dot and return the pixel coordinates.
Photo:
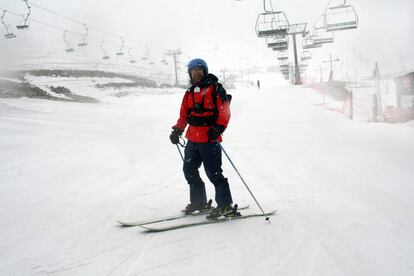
(258, 84)
(206, 109)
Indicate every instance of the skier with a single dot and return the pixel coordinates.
(206, 109)
(258, 84)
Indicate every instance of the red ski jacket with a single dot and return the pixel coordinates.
(202, 108)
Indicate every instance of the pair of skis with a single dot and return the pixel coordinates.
(145, 224)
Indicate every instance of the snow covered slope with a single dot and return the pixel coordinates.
(68, 171)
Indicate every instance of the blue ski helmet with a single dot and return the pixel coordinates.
(198, 62)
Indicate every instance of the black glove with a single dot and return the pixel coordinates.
(175, 135)
(215, 131)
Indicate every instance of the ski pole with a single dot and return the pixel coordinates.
(180, 152)
(245, 184)
(183, 145)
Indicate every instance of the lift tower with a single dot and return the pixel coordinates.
(175, 54)
(293, 30)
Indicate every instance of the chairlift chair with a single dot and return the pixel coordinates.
(8, 34)
(305, 55)
(26, 18)
(271, 24)
(340, 18)
(282, 56)
(284, 64)
(104, 55)
(132, 60)
(280, 48)
(277, 41)
(309, 43)
(147, 54)
(121, 53)
(85, 36)
(321, 36)
(68, 49)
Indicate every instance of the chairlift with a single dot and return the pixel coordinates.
(279, 48)
(132, 60)
(277, 41)
(147, 54)
(282, 55)
(271, 24)
(340, 18)
(284, 63)
(68, 49)
(305, 55)
(26, 18)
(104, 55)
(121, 53)
(8, 34)
(309, 43)
(321, 36)
(85, 36)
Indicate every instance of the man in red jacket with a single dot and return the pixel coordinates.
(206, 109)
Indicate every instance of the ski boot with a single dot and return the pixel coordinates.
(192, 209)
(225, 212)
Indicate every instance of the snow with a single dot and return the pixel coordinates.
(343, 189)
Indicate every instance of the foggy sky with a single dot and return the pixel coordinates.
(220, 31)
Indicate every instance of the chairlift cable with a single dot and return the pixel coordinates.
(323, 13)
(62, 29)
(90, 26)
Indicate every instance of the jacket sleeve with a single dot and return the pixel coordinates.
(182, 121)
(223, 105)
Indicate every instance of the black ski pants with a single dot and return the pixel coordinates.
(210, 155)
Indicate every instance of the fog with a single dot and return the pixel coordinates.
(220, 31)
